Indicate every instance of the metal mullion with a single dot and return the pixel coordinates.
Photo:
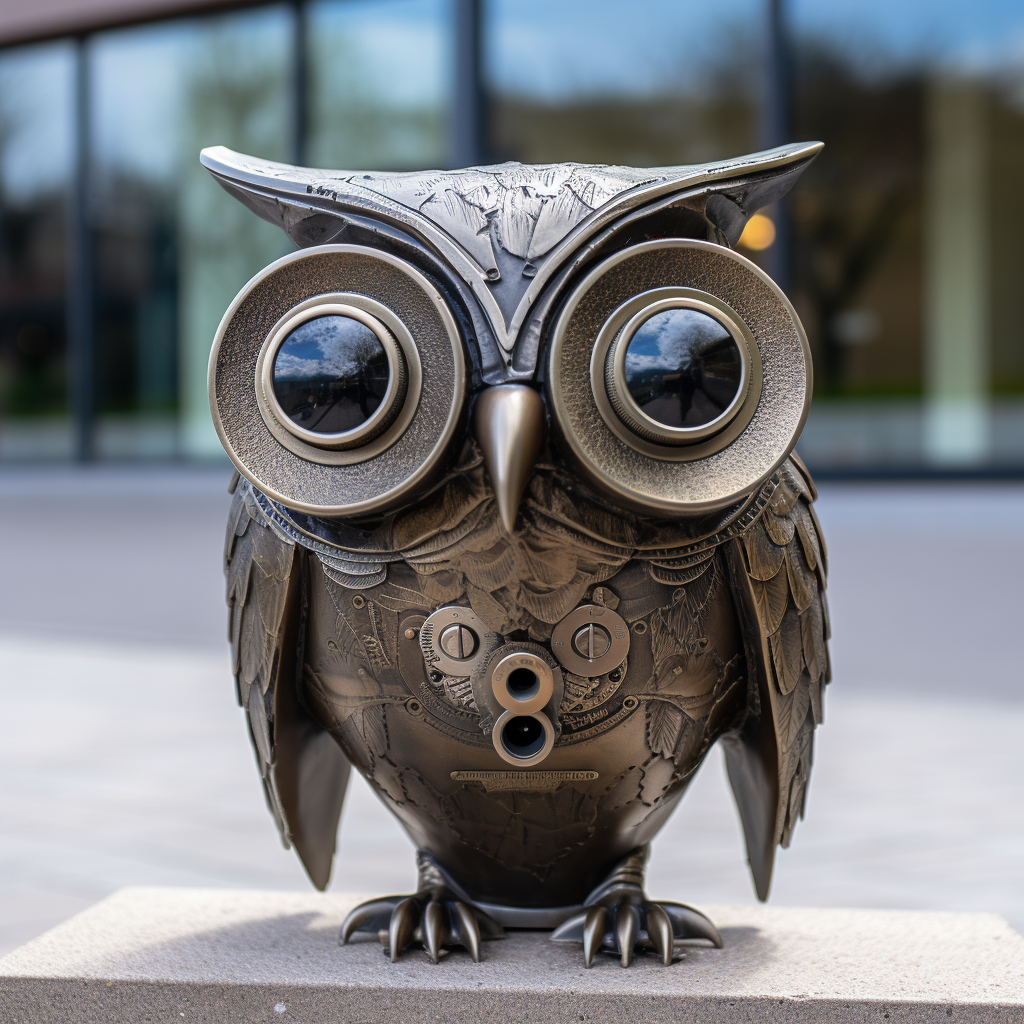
(81, 342)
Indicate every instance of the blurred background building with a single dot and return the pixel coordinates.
(903, 246)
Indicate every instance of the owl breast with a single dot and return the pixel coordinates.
(422, 731)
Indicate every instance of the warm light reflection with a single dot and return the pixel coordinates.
(758, 234)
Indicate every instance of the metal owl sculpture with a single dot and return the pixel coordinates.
(518, 531)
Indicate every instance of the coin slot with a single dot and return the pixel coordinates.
(455, 640)
(592, 641)
(459, 642)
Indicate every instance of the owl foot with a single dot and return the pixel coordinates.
(435, 916)
(626, 924)
(618, 918)
(436, 919)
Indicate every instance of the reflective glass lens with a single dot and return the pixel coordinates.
(330, 374)
(682, 367)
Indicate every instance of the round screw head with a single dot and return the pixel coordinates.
(591, 641)
(459, 642)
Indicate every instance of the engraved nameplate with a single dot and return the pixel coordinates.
(534, 781)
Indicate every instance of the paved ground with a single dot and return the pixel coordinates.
(125, 761)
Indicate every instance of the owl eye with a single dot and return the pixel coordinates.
(321, 392)
(334, 376)
(679, 376)
(677, 372)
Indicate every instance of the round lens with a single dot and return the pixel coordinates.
(330, 374)
(682, 368)
(523, 736)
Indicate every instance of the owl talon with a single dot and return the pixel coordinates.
(659, 931)
(689, 923)
(435, 929)
(467, 930)
(434, 919)
(401, 928)
(377, 911)
(626, 924)
(594, 927)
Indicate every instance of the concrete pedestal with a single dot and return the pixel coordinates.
(225, 956)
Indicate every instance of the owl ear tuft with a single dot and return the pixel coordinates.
(732, 204)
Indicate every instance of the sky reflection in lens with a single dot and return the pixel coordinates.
(682, 367)
(330, 374)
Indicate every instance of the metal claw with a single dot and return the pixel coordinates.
(594, 927)
(659, 931)
(469, 930)
(435, 929)
(689, 923)
(361, 914)
(401, 927)
(627, 924)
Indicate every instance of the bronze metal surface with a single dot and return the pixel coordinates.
(528, 647)
(677, 479)
(410, 452)
(509, 234)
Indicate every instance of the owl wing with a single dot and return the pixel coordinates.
(304, 771)
(777, 570)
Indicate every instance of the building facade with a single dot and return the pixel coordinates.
(903, 247)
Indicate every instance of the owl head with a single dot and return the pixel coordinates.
(596, 314)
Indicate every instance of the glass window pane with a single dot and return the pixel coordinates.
(35, 159)
(378, 83)
(910, 231)
(172, 248)
(667, 83)
(236, 77)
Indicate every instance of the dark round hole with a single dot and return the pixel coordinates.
(682, 367)
(523, 736)
(522, 683)
(330, 374)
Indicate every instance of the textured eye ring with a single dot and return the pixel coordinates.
(408, 453)
(662, 479)
(401, 356)
(620, 410)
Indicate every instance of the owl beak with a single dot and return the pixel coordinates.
(509, 426)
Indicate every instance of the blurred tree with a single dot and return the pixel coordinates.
(857, 218)
(704, 111)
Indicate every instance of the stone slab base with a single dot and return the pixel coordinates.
(225, 956)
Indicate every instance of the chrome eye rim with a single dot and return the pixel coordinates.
(727, 427)
(617, 406)
(389, 419)
(381, 418)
